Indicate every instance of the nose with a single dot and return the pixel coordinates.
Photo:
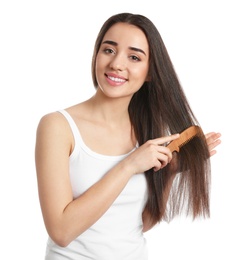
(118, 63)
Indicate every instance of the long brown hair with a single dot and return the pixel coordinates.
(159, 108)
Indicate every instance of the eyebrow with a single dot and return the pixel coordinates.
(130, 48)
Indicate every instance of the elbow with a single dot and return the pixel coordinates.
(62, 234)
(61, 238)
(61, 242)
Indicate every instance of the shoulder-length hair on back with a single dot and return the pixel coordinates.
(160, 107)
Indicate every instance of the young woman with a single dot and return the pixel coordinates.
(105, 174)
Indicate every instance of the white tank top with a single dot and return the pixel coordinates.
(117, 235)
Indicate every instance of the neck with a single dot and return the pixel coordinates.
(110, 110)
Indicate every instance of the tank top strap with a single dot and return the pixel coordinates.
(73, 126)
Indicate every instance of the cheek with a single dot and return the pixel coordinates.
(98, 62)
(141, 73)
(99, 65)
(101, 59)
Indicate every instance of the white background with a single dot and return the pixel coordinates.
(45, 65)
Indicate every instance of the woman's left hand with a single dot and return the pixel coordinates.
(213, 140)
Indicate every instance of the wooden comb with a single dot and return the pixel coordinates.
(185, 136)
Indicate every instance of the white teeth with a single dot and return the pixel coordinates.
(116, 79)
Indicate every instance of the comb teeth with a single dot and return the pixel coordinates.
(186, 141)
(186, 136)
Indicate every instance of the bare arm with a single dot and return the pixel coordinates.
(64, 217)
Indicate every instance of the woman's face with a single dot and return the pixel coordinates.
(122, 61)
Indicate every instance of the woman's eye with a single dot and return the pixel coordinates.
(108, 51)
(135, 58)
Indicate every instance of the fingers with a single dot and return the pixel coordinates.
(213, 141)
(212, 136)
(152, 154)
(164, 155)
(165, 139)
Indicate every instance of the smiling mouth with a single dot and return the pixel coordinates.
(116, 79)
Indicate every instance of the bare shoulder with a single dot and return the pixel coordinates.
(54, 130)
(52, 121)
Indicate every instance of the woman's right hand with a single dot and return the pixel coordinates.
(152, 154)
